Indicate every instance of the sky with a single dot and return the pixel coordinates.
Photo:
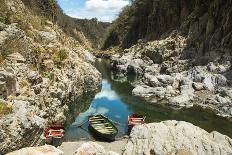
(103, 10)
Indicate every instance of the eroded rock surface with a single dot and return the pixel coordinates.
(42, 150)
(173, 137)
(42, 71)
(92, 148)
(168, 77)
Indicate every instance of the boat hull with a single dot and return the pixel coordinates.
(101, 137)
(96, 132)
(135, 119)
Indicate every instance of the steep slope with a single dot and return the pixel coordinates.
(180, 49)
(87, 32)
(42, 72)
(206, 24)
(93, 29)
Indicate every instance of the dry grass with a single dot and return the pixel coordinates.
(5, 109)
(4, 13)
(24, 83)
(59, 55)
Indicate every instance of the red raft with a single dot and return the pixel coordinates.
(54, 134)
(135, 119)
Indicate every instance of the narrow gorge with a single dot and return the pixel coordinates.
(169, 60)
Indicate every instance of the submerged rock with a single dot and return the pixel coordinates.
(171, 137)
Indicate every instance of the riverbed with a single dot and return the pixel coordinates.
(115, 100)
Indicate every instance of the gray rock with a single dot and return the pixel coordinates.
(153, 69)
(198, 86)
(211, 67)
(47, 37)
(151, 80)
(34, 77)
(222, 100)
(16, 57)
(221, 69)
(221, 80)
(225, 92)
(165, 79)
(208, 83)
(2, 26)
(173, 136)
(182, 100)
(7, 82)
(186, 87)
(135, 67)
(92, 148)
(149, 93)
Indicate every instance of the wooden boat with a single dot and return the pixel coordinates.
(135, 119)
(101, 127)
(54, 134)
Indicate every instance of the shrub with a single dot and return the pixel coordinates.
(5, 109)
(4, 13)
(59, 56)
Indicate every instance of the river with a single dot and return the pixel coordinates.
(115, 100)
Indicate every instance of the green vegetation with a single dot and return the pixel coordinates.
(148, 20)
(5, 109)
(132, 19)
(4, 13)
(59, 56)
(92, 29)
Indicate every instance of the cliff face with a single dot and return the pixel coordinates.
(42, 71)
(206, 24)
(87, 32)
(184, 55)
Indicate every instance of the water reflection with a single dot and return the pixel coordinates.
(116, 101)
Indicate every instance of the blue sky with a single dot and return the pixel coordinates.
(104, 10)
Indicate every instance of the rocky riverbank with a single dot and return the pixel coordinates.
(39, 96)
(42, 72)
(168, 137)
(168, 77)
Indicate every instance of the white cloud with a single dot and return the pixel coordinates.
(107, 92)
(103, 5)
(103, 10)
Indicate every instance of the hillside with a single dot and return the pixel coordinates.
(43, 70)
(87, 32)
(181, 51)
(206, 24)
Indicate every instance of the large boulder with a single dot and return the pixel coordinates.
(173, 137)
(16, 57)
(92, 148)
(7, 83)
(165, 79)
(42, 150)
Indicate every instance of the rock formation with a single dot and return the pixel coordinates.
(42, 150)
(173, 137)
(42, 71)
(93, 148)
(168, 79)
(186, 59)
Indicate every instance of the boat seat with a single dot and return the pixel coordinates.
(98, 125)
(136, 120)
(102, 127)
(97, 122)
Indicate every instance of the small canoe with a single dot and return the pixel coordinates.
(54, 134)
(101, 127)
(135, 119)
